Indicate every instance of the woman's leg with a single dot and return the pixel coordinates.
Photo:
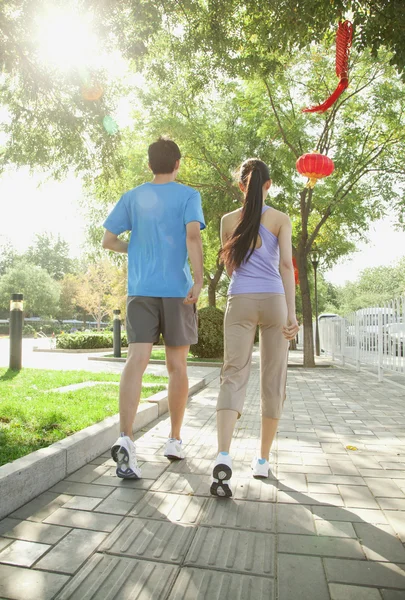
(239, 333)
(268, 433)
(273, 368)
(226, 420)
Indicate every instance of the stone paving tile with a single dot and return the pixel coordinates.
(237, 514)
(386, 488)
(82, 503)
(146, 539)
(330, 513)
(397, 521)
(392, 595)
(364, 573)
(352, 592)
(202, 584)
(294, 519)
(71, 552)
(170, 507)
(319, 546)
(392, 504)
(301, 577)
(127, 495)
(227, 549)
(309, 498)
(4, 542)
(357, 497)
(82, 519)
(105, 575)
(82, 489)
(178, 483)
(26, 584)
(31, 531)
(41, 507)
(340, 529)
(87, 474)
(114, 482)
(380, 543)
(23, 554)
(114, 507)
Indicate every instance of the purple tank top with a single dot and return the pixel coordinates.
(260, 274)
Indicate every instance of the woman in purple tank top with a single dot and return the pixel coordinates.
(257, 252)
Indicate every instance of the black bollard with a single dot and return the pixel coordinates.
(16, 327)
(117, 333)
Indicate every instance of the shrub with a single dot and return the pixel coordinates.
(28, 329)
(210, 334)
(4, 328)
(82, 340)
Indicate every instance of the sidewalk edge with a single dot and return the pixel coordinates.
(31, 475)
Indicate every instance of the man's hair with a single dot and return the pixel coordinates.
(163, 155)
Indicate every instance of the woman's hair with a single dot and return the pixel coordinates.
(240, 246)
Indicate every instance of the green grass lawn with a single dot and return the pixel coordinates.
(32, 417)
(160, 354)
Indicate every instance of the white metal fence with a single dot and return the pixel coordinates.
(370, 336)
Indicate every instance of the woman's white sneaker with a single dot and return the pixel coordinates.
(174, 449)
(260, 467)
(124, 454)
(221, 476)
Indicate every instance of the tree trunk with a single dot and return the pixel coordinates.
(213, 284)
(309, 360)
(212, 298)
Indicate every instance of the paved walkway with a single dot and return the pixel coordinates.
(328, 524)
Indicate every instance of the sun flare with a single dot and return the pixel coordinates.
(65, 39)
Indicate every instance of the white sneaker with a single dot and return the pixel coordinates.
(260, 467)
(221, 475)
(124, 454)
(174, 449)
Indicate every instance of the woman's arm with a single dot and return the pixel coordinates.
(224, 238)
(287, 275)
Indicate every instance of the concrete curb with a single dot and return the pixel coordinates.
(27, 477)
(155, 361)
(75, 350)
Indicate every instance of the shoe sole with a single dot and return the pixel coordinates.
(174, 457)
(120, 455)
(221, 488)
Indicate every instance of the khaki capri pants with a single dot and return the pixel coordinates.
(244, 312)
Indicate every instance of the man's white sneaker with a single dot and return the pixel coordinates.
(174, 449)
(221, 475)
(260, 467)
(124, 454)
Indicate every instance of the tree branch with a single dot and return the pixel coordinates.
(281, 129)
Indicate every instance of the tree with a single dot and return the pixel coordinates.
(41, 292)
(374, 287)
(52, 254)
(8, 255)
(69, 289)
(94, 295)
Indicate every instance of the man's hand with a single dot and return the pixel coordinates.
(292, 328)
(193, 295)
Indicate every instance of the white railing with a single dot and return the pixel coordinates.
(371, 336)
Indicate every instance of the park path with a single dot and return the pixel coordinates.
(328, 524)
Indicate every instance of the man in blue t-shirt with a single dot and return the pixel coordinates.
(165, 219)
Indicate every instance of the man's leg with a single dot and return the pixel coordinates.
(131, 385)
(176, 362)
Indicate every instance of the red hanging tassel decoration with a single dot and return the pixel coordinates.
(296, 274)
(343, 44)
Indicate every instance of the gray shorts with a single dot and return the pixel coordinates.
(148, 317)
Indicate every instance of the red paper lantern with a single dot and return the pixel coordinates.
(314, 166)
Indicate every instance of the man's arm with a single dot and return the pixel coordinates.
(111, 242)
(195, 253)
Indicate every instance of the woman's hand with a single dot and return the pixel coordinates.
(291, 329)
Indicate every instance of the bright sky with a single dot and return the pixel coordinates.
(31, 204)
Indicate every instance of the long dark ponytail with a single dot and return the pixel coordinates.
(240, 246)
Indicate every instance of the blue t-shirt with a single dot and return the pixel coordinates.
(157, 215)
